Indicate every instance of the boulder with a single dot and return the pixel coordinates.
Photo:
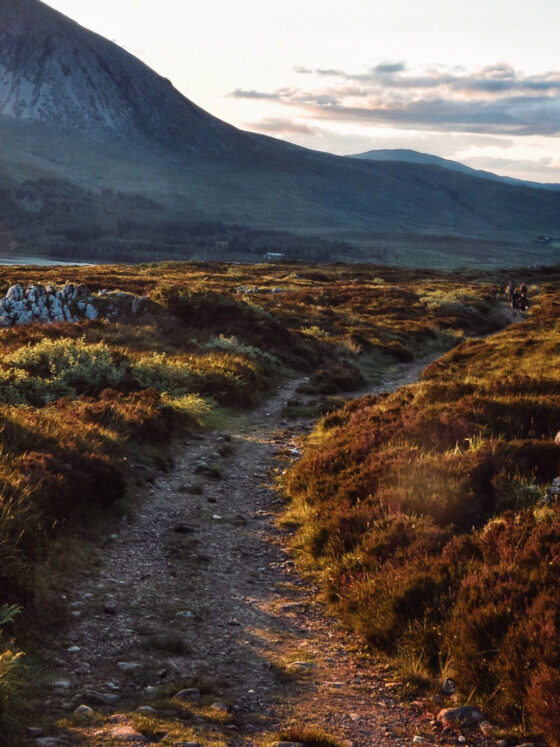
(91, 312)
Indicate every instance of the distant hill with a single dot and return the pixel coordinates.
(413, 156)
(100, 156)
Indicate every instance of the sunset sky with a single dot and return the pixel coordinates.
(477, 82)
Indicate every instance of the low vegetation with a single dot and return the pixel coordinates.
(429, 516)
(78, 401)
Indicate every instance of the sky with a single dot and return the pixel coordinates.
(476, 81)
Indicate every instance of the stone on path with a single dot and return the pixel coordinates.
(102, 698)
(449, 686)
(126, 733)
(62, 684)
(190, 693)
(301, 666)
(129, 666)
(84, 711)
(466, 715)
(219, 706)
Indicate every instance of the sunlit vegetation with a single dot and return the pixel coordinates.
(78, 400)
(425, 513)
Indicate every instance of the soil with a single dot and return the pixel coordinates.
(198, 589)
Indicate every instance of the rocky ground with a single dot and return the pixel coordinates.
(196, 628)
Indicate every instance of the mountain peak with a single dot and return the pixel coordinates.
(55, 72)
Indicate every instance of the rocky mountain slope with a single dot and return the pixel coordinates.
(98, 153)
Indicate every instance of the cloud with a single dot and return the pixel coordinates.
(389, 67)
(495, 99)
(240, 93)
(280, 125)
(548, 171)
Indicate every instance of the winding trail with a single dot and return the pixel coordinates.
(198, 587)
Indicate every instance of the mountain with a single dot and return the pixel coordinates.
(413, 156)
(100, 156)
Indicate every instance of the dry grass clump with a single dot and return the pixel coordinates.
(424, 513)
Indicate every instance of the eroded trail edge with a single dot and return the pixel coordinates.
(196, 628)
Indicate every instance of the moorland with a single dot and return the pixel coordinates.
(425, 514)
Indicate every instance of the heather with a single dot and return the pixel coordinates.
(429, 517)
(80, 402)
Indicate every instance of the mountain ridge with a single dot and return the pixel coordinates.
(407, 155)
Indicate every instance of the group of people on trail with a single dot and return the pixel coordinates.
(518, 298)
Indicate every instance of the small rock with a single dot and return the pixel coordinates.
(191, 693)
(217, 517)
(418, 740)
(35, 731)
(486, 728)
(73, 649)
(462, 739)
(62, 684)
(186, 614)
(118, 718)
(102, 698)
(127, 733)
(146, 709)
(129, 666)
(301, 666)
(219, 706)
(448, 687)
(466, 715)
(84, 711)
(110, 609)
(291, 607)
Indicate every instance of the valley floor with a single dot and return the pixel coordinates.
(197, 594)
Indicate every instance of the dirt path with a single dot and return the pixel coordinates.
(197, 593)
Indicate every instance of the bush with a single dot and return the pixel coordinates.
(51, 369)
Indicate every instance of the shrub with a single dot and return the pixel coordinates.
(54, 368)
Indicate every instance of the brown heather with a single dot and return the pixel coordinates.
(423, 511)
(392, 485)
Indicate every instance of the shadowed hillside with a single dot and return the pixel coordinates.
(83, 115)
